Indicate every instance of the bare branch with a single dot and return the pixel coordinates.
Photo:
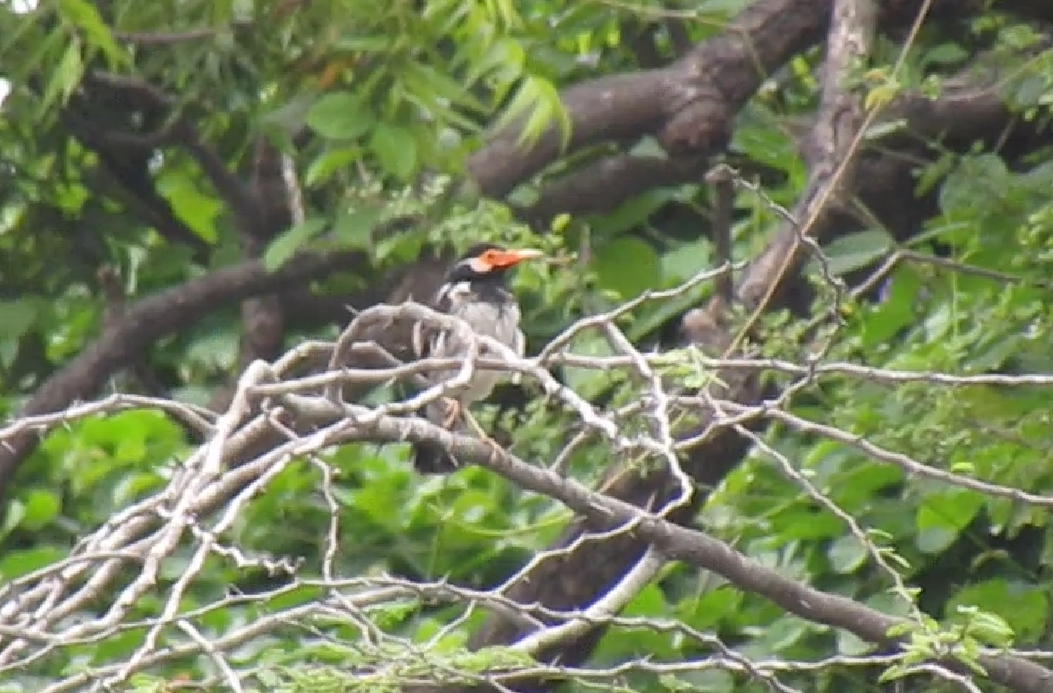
(208, 493)
(146, 321)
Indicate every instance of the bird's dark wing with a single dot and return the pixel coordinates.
(425, 334)
(430, 458)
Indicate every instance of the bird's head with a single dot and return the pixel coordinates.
(487, 262)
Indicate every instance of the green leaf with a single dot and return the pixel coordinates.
(674, 684)
(16, 512)
(503, 61)
(846, 554)
(194, 208)
(851, 645)
(796, 524)
(340, 116)
(935, 539)
(323, 168)
(285, 246)
(17, 563)
(710, 681)
(588, 382)
(942, 516)
(990, 629)
(657, 314)
(1024, 607)
(680, 264)
(949, 508)
(427, 83)
(17, 317)
(856, 485)
(294, 597)
(366, 44)
(975, 187)
(396, 150)
(765, 144)
(785, 633)
(707, 610)
(560, 222)
(291, 115)
(355, 229)
(896, 312)
(65, 78)
(881, 95)
(1031, 91)
(132, 486)
(533, 109)
(633, 212)
(855, 251)
(894, 672)
(945, 54)
(41, 507)
(86, 17)
(650, 602)
(627, 266)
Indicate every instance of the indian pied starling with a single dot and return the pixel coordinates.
(474, 290)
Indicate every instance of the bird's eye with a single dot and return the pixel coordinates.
(489, 256)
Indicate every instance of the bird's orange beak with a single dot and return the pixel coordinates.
(510, 258)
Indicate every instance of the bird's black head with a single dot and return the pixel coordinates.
(488, 262)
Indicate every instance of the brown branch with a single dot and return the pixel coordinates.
(608, 108)
(722, 185)
(968, 111)
(232, 189)
(602, 185)
(688, 105)
(116, 147)
(175, 37)
(831, 154)
(115, 305)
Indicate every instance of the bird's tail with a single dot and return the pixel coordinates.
(432, 458)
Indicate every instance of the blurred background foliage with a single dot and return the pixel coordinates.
(381, 103)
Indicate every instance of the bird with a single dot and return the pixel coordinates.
(474, 290)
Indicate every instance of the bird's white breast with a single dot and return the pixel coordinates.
(494, 315)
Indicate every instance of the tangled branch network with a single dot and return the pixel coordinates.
(69, 611)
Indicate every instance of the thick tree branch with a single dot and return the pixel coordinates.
(688, 105)
(966, 112)
(602, 185)
(831, 153)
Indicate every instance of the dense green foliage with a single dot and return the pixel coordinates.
(108, 137)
